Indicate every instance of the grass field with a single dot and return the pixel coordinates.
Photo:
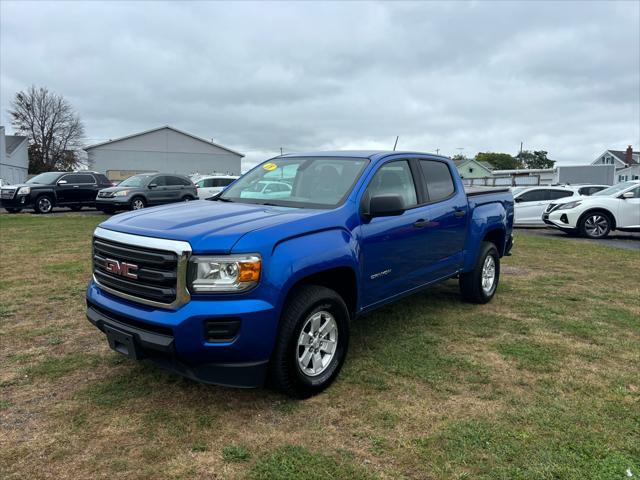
(542, 383)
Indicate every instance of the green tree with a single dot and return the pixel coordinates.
(535, 159)
(458, 157)
(499, 161)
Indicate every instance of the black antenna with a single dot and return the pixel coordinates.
(396, 144)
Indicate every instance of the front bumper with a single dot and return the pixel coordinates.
(112, 202)
(175, 339)
(562, 219)
(18, 201)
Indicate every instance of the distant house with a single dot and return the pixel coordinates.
(620, 158)
(163, 149)
(470, 168)
(14, 158)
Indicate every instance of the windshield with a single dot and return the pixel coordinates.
(607, 192)
(135, 181)
(45, 178)
(305, 182)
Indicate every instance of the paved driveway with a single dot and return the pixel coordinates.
(616, 239)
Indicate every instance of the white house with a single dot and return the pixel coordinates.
(14, 158)
(163, 149)
(629, 173)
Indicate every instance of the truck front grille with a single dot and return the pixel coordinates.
(143, 273)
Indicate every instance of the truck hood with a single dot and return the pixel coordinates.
(209, 226)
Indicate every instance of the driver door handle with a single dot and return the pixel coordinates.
(460, 213)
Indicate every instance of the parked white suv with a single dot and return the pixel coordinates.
(210, 185)
(531, 202)
(614, 208)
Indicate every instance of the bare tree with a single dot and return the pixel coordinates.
(54, 129)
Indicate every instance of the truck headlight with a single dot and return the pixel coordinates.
(121, 193)
(24, 190)
(224, 273)
(568, 206)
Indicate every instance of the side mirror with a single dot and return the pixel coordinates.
(153, 185)
(628, 195)
(62, 182)
(517, 200)
(386, 205)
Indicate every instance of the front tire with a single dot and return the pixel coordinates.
(595, 225)
(480, 284)
(312, 342)
(44, 204)
(138, 203)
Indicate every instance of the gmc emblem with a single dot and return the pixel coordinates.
(123, 269)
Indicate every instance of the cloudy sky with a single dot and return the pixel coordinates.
(478, 76)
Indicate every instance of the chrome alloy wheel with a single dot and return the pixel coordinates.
(488, 274)
(137, 204)
(596, 225)
(317, 343)
(44, 204)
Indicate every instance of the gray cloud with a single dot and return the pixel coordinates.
(560, 76)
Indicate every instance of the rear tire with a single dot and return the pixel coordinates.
(187, 198)
(595, 225)
(480, 284)
(43, 204)
(312, 342)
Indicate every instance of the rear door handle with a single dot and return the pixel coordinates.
(421, 223)
(460, 213)
(76, 186)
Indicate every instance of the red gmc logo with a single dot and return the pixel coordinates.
(123, 269)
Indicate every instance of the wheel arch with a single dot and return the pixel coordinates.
(497, 236)
(342, 280)
(598, 210)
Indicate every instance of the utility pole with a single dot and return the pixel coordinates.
(437, 151)
(280, 151)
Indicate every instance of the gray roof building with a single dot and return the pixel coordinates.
(163, 149)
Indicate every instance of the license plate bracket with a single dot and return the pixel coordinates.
(122, 342)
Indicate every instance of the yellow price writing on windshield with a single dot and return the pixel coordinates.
(270, 166)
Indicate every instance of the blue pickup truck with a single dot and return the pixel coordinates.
(258, 283)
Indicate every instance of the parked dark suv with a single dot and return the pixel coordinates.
(47, 190)
(146, 189)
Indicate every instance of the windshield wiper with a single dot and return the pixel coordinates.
(220, 199)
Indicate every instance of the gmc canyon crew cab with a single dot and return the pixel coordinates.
(245, 287)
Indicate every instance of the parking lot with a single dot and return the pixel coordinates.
(540, 383)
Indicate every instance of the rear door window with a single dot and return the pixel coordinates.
(556, 194)
(438, 179)
(79, 178)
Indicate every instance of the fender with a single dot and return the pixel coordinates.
(299, 257)
(485, 219)
(45, 191)
(598, 209)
